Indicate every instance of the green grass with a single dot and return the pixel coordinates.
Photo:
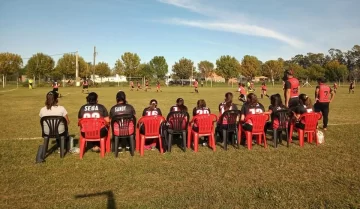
(324, 176)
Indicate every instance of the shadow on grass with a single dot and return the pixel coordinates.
(111, 203)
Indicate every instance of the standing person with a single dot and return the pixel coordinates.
(196, 83)
(201, 108)
(138, 86)
(158, 87)
(85, 85)
(146, 84)
(55, 86)
(351, 87)
(263, 90)
(152, 109)
(30, 83)
(323, 96)
(242, 91)
(94, 110)
(121, 108)
(335, 87)
(248, 85)
(202, 83)
(132, 86)
(291, 89)
(53, 109)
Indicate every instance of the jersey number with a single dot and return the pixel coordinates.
(295, 90)
(149, 113)
(91, 115)
(200, 112)
(255, 111)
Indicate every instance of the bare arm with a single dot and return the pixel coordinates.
(316, 93)
(332, 96)
(67, 119)
(242, 117)
(287, 97)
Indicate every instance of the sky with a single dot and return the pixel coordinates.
(194, 29)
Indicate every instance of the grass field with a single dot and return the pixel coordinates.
(324, 176)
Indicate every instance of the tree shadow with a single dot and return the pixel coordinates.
(111, 203)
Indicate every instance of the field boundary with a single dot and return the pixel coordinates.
(3, 91)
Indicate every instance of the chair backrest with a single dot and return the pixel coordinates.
(205, 123)
(231, 117)
(125, 124)
(283, 117)
(91, 127)
(178, 121)
(310, 120)
(53, 123)
(151, 124)
(258, 121)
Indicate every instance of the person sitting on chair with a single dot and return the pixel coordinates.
(305, 106)
(252, 106)
(276, 105)
(152, 109)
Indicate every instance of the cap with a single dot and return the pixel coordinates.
(121, 96)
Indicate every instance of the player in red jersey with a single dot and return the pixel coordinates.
(291, 89)
(132, 86)
(196, 83)
(263, 90)
(158, 87)
(138, 86)
(335, 87)
(252, 106)
(242, 91)
(201, 108)
(323, 96)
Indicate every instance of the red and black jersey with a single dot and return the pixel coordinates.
(301, 109)
(196, 84)
(242, 90)
(121, 109)
(293, 85)
(148, 112)
(176, 108)
(93, 111)
(55, 85)
(263, 87)
(201, 111)
(247, 109)
(222, 107)
(324, 93)
(158, 84)
(85, 83)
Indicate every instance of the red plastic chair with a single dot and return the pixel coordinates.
(311, 121)
(292, 125)
(91, 127)
(206, 128)
(258, 124)
(152, 130)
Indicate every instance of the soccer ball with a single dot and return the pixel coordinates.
(320, 136)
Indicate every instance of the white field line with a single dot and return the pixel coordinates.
(7, 90)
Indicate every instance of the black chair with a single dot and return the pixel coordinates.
(176, 121)
(283, 117)
(231, 117)
(53, 123)
(123, 123)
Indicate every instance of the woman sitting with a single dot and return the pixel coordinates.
(252, 106)
(276, 105)
(305, 106)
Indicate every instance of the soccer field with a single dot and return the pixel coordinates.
(324, 176)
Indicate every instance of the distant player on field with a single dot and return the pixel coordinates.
(146, 84)
(85, 85)
(351, 87)
(263, 90)
(291, 89)
(335, 87)
(196, 83)
(132, 86)
(158, 86)
(138, 86)
(242, 91)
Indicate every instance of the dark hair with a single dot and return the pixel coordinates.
(201, 103)
(51, 99)
(305, 100)
(252, 100)
(228, 101)
(321, 80)
(121, 97)
(263, 83)
(276, 101)
(153, 104)
(92, 98)
(180, 105)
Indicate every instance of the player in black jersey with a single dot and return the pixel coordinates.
(201, 108)
(94, 110)
(179, 106)
(252, 106)
(152, 109)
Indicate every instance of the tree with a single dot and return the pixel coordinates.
(206, 68)
(102, 69)
(128, 65)
(9, 64)
(273, 69)
(315, 71)
(66, 65)
(40, 65)
(145, 70)
(227, 67)
(183, 68)
(338, 55)
(159, 66)
(335, 71)
(250, 66)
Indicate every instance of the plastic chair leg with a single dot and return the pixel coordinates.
(137, 139)
(82, 147)
(301, 137)
(132, 144)
(316, 139)
(108, 140)
(116, 146)
(170, 136)
(239, 138)
(102, 147)
(225, 138)
(184, 140)
(161, 145)
(142, 144)
(45, 148)
(265, 143)
(249, 139)
(189, 139)
(213, 142)
(196, 141)
(275, 135)
(62, 146)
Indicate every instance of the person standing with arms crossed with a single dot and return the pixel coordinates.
(291, 89)
(323, 96)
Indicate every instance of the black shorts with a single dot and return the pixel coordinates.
(132, 87)
(293, 102)
(56, 89)
(300, 125)
(85, 87)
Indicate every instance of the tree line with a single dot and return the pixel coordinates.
(335, 66)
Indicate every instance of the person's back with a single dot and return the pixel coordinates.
(152, 110)
(252, 106)
(201, 108)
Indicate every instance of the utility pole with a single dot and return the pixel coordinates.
(94, 64)
(77, 69)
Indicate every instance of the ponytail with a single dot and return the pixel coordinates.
(51, 100)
